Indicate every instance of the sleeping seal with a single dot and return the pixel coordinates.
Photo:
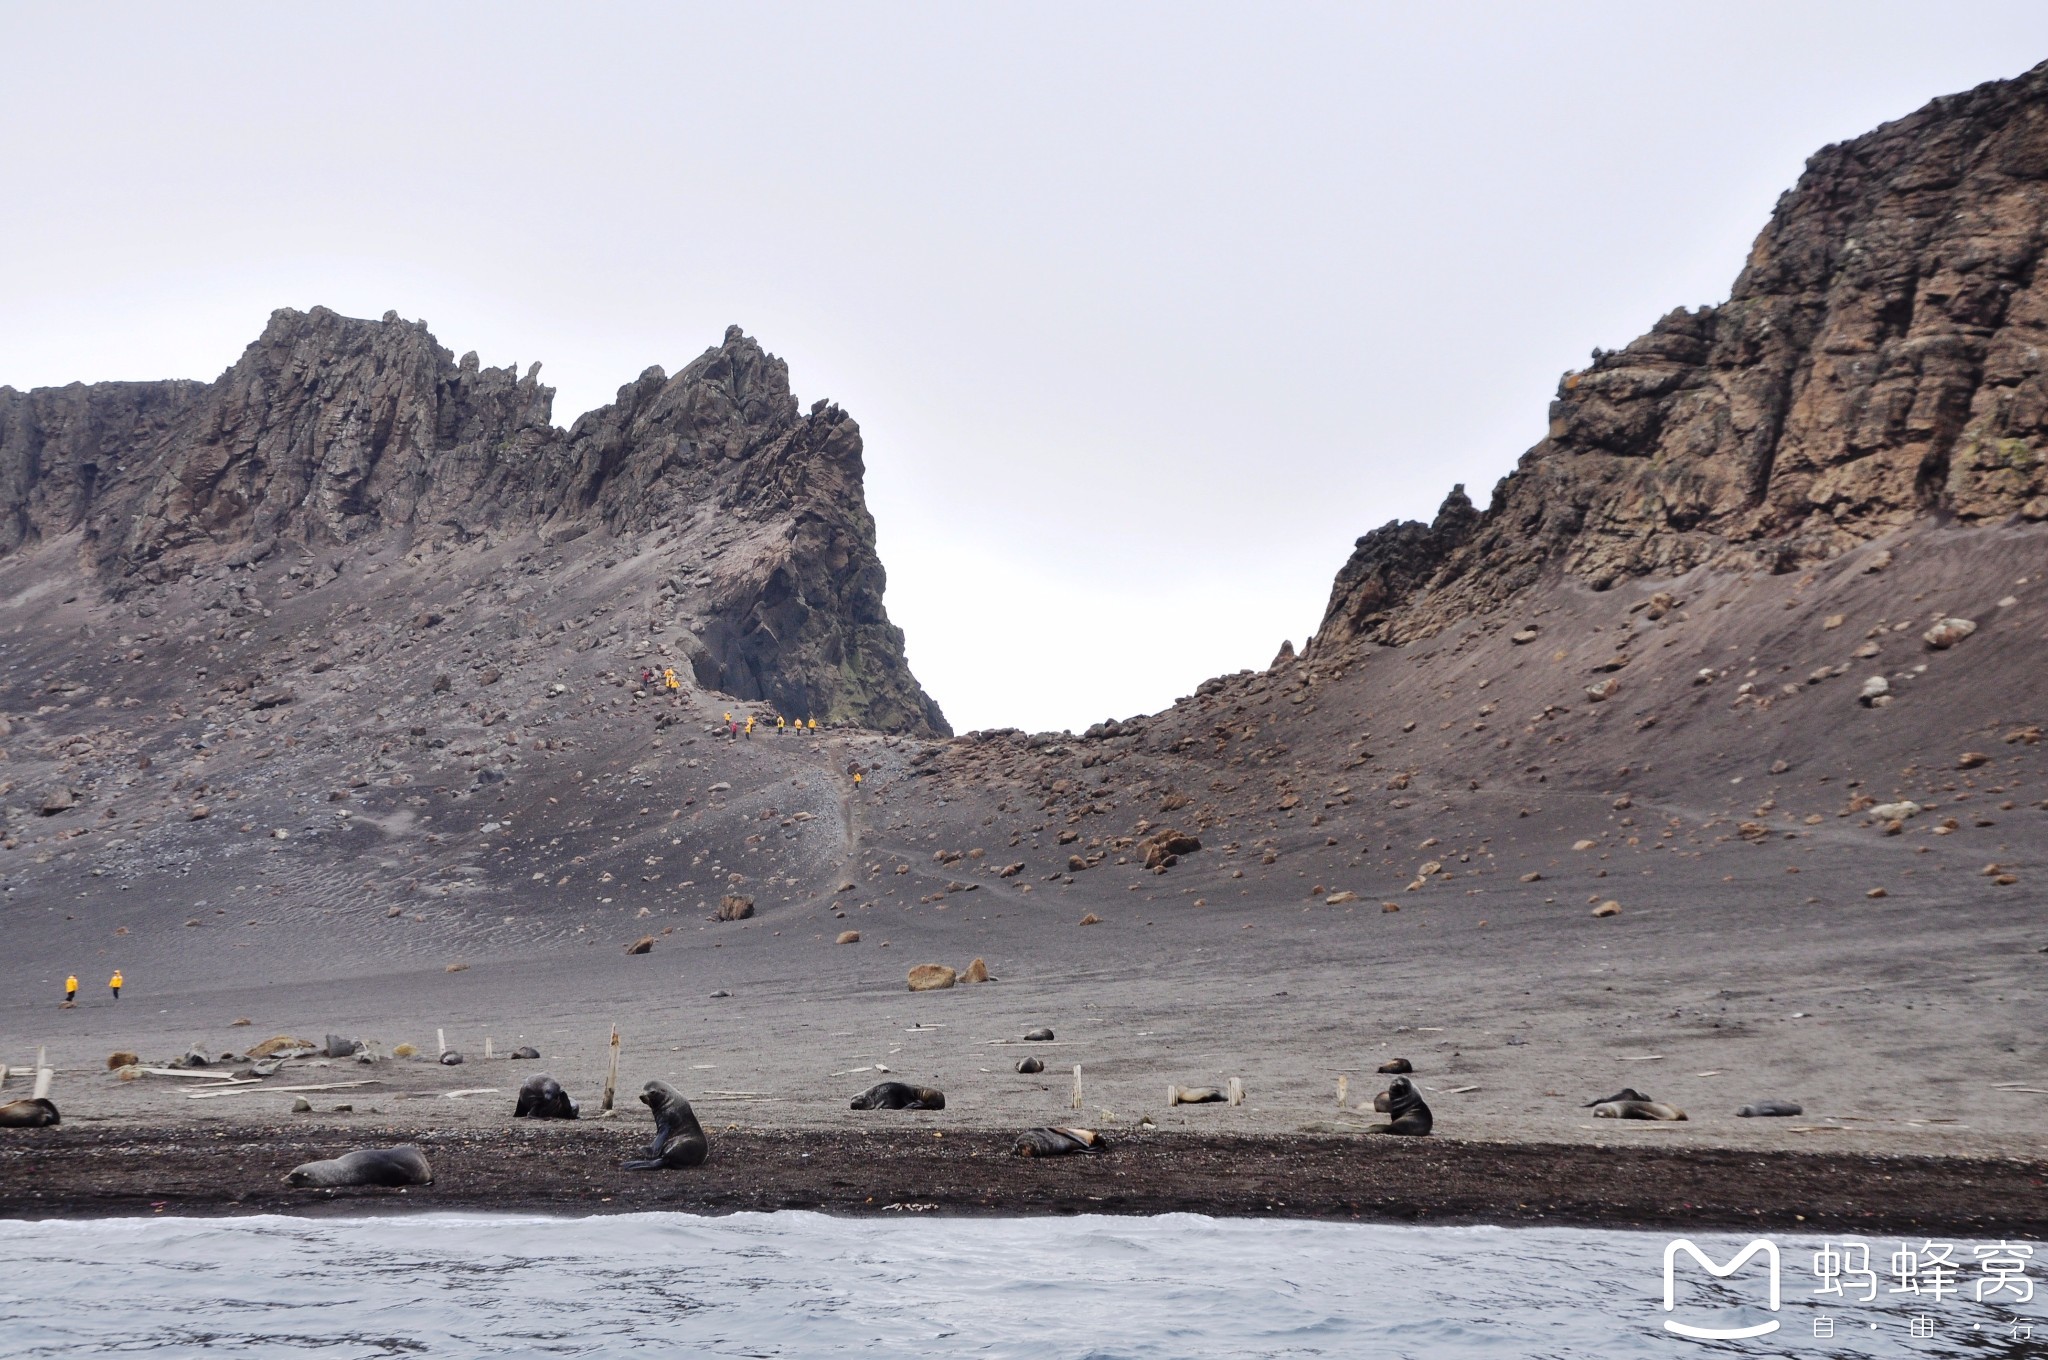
(1405, 1103)
(366, 1166)
(679, 1139)
(1056, 1142)
(542, 1097)
(29, 1114)
(1625, 1093)
(1638, 1109)
(894, 1095)
(1761, 1109)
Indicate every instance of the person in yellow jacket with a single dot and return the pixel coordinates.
(814, 727)
(71, 989)
(115, 984)
(668, 677)
(750, 727)
(856, 781)
(781, 727)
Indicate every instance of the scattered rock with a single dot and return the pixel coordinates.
(1524, 636)
(56, 800)
(1338, 898)
(1947, 633)
(931, 977)
(1876, 692)
(456, 968)
(281, 1043)
(1895, 812)
(977, 971)
(301, 1105)
(643, 945)
(1833, 621)
(1091, 919)
(848, 937)
(732, 907)
(1877, 892)
(1604, 690)
(1608, 908)
(1970, 760)
(240, 1021)
(1584, 844)
(1532, 877)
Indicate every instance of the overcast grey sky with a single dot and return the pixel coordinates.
(1146, 311)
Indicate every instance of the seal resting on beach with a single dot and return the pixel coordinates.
(1056, 1142)
(1769, 1109)
(894, 1095)
(1404, 1102)
(367, 1166)
(1625, 1093)
(1397, 1066)
(542, 1097)
(679, 1139)
(1638, 1109)
(527, 1051)
(29, 1114)
(1028, 1065)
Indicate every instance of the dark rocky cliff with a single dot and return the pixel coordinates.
(1879, 360)
(332, 431)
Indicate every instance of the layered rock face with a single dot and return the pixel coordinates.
(331, 431)
(1880, 359)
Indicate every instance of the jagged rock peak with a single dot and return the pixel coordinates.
(1879, 359)
(332, 430)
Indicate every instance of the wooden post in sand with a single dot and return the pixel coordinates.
(487, 1045)
(3, 1076)
(440, 1042)
(1343, 1091)
(43, 1077)
(1236, 1091)
(1077, 1086)
(611, 1077)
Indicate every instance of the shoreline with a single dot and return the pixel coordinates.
(574, 1169)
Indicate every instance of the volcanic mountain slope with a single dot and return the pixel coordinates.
(333, 440)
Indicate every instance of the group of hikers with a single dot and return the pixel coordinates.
(71, 987)
(734, 727)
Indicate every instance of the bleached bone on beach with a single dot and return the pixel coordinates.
(249, 1089)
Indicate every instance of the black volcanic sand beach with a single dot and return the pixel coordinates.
(564, 1169)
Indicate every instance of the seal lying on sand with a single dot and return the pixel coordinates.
(1056, 1142)
(542, 1097)
(1625, 1093)
(526, 1051)
(29, 1114)
(1405, 1103)
(894, 1095)
(1761, 1109)
(679, 1139)
(1030, 1065)
(367, 1166)
(1629, 1103)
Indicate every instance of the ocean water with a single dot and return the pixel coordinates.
(801, 1284)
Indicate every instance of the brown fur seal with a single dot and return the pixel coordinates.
(1029, 1065)
(542, 1097)
(1638, 1109)
(29, 1114)
(527, 1051)
(1625, 1093)
(1056, 1142)
(1397, 1067)
(1770, 1109)
(679, 1139)
(1404, 1102)
(894, 1095)
(367, 1166)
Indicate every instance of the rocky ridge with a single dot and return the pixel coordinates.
(334, 437)
(1879, 361)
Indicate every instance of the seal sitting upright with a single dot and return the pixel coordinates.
(368, 1166)
(29, 1114)
(542, 1097)
(1405, 1103)
(894, 1095)
(679, 1139)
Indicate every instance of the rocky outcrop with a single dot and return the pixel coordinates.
(1879, 359)
(332, 431)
